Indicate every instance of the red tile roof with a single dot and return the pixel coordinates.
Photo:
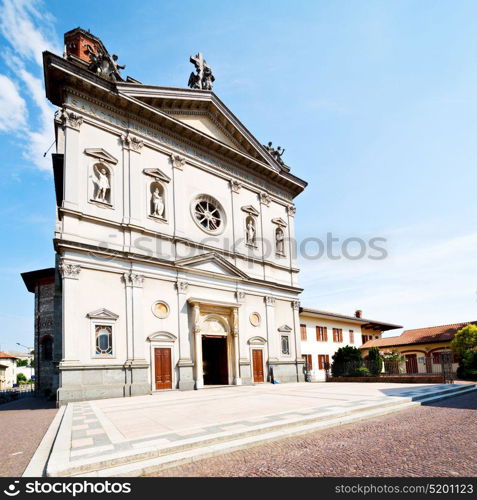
(5, 355)
(441, 333)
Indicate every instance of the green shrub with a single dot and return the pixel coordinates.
(375, 362)
(21, 379)
(362, 371)
(345, 359)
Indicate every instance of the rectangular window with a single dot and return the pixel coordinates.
(285, 344)
(303, 332)
(436, 358)
(351, 337)
(308, 361)
(337, 335)
(321, 334)
(323, 361)
(104, 340)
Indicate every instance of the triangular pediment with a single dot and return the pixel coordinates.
(279, 222)
(205, 123)
(212, 263)
(204, 112)
(285, 329)
(102, 314)
(157, 174)
(251, 210)
(101, 154)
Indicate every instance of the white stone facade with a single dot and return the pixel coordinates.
(161, 244)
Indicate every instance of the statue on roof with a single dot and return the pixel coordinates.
(275, 153)
(203, 78)
(104, 65)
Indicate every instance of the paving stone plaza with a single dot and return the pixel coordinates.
(149, 433)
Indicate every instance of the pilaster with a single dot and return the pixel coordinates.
(70, 274)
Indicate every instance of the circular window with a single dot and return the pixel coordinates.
(255, 319)
(208, 214)
(160, 309)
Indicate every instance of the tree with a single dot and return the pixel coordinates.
(464, 340)
(21, 379)
(22, 362)
(375, 361)
(345, 359)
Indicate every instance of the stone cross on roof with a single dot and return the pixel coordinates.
(203, 78)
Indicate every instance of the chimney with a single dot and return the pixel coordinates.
(79, 43)
(358, 313)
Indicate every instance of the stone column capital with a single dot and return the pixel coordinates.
(178, 161)
(131, 142)
(133, 279)
(269, 300)
(69, 119)
(69, 270)
(182, 286)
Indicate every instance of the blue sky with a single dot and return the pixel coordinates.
(374, 101)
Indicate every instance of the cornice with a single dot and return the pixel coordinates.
(198, 156)
(62, 245)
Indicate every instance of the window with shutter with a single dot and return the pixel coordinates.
(303, 332)
(351, 337)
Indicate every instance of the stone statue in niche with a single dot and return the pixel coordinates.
(102, 184)
(250, 231)
(280, 241)
(157, 202)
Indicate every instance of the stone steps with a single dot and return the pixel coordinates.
(147, 460)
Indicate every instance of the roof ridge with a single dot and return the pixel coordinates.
(440, 326)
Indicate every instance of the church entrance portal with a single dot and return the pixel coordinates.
(214, 357)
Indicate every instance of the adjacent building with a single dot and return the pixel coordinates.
(421, 347)
(322, 333)
(8, 373)
(173, 238)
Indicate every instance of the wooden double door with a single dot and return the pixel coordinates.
(163, 368)
(411, 363)
(257, 365)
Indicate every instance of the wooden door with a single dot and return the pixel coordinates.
(163, 369)
(411, 363)
(257, 363)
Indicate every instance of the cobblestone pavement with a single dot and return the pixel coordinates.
(435, 440)
(23, 424)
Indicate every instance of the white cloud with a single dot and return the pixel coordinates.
(13, 109)
(28, 28)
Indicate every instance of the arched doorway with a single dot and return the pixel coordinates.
(215, 350)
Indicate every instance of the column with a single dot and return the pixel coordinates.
(296, 341)
(235, 333)
(185, 364)
(178, 185)
(73, 172)
(70, 299)
(199, 371)
(136, 366)
(133, 192)
(271, 330)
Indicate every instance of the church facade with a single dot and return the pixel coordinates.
(175, 265)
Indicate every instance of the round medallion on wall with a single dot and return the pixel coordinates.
(255, 319)
(160, 309)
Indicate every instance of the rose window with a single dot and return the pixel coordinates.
(208, 214)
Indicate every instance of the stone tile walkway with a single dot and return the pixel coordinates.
(436, 440)
(112, 428)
